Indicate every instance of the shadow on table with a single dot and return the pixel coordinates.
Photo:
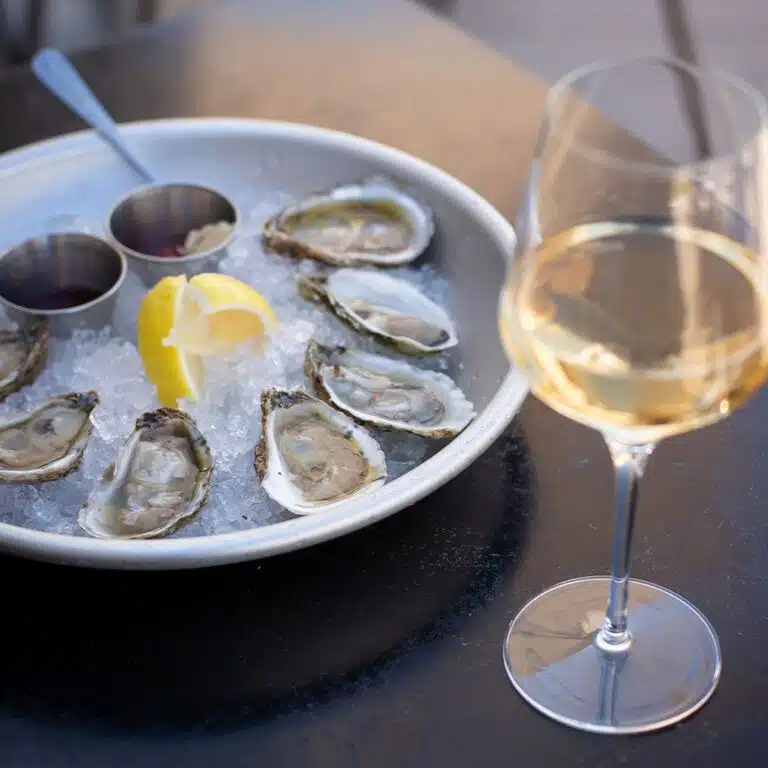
(216, 648)
(442, 6)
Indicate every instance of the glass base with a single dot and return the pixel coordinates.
(670, 669)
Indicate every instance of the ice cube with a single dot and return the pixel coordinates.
(229, 412)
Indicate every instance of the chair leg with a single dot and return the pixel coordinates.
(5, 36)
(18, 49)
(146, 11)
(36, 15)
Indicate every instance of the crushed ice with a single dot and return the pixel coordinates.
(229, 413)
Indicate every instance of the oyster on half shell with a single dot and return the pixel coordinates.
(387, 393)
(311, 456)
(48, 441)
(373, 221)
(160, 479)
(392, 310)
(22, 356)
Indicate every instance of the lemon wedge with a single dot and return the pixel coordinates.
(218, 313)
(182, 322)
(174, 373)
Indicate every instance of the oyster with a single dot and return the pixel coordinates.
(22, 357)
(47, 441)
(387, 393)
(392, 310)
(161, 479)
(371, 222)
(311, 455)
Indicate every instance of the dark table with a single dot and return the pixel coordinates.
(382, 648)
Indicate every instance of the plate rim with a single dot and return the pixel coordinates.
(305, 531)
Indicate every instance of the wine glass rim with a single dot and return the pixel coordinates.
(567, 82)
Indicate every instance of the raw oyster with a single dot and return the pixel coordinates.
(392, 310)
(47, 441)
(390, 394)
(311, 456)
(161, 479)
(22, 357)
(371, 222)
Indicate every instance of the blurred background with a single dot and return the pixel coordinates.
(549, 37)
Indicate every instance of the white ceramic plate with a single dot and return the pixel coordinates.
(76, 173)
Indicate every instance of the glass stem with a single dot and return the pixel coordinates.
(629, 464)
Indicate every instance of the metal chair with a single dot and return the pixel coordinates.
(17, 46)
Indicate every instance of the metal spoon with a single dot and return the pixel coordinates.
(54, 70)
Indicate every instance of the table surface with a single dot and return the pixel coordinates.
(382, 648)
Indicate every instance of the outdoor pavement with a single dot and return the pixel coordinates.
(549, 37)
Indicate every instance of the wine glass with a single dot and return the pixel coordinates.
(635, 303)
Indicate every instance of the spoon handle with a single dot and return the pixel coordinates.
(56, 73)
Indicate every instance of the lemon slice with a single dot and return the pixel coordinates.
(182, 322)
(175, 373)
(218, 313)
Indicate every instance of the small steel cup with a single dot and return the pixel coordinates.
(69, 279)
(160, 215)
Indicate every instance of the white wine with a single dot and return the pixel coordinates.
(641, 329)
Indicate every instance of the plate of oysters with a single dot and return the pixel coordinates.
(290, 337)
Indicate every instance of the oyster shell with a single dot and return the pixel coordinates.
(48, 441)
(392, 310)
(373, 222)
(22, 357)
(161, 479)
(389, 394)
(311, 456)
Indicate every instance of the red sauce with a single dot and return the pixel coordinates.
(57, 298)
(170, 252)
